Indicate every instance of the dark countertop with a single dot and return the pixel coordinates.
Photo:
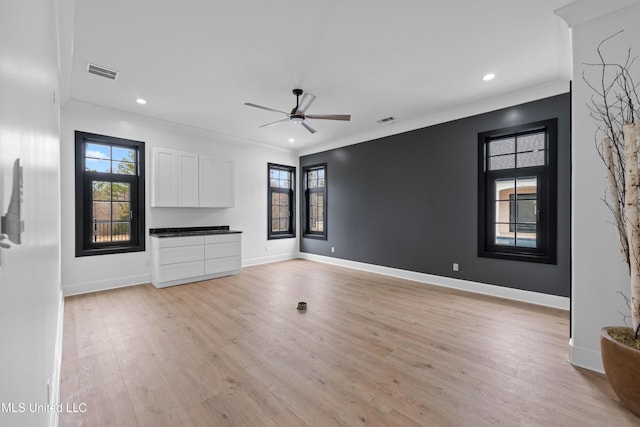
(191, 231)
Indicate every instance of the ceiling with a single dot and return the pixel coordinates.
(197, 62)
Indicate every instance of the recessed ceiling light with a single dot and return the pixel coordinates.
(141, 101)
(488, 77)
(292, 140)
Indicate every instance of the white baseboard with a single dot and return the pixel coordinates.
(54, 386)
(585, 358)
(546, 300)
(269, 259)
(103, 285)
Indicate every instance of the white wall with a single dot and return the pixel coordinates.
(598, 272)
(249, 214)
(30, 296)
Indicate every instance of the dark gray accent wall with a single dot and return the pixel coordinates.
(410, 201)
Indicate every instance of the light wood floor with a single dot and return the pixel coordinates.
(370, 350)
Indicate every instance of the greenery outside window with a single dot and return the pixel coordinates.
(281, 201)
(315, 201)
(109, 195)
(517, 193)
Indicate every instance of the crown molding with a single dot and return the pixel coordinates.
(582, 11)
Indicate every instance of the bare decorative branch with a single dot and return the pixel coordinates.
(615, 105)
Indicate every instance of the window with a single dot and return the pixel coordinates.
(517, 194)
(315, 201)
(109, 195)
(281, 201)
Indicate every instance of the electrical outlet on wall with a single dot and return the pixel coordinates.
(456, 267)
(333, 249)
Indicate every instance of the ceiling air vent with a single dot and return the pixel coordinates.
(102, 71)
(386, 120)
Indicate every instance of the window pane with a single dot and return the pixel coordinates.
(283, 198)
(527, 185)
(503, 210)
(97, 151)
(531, 142)
(94, 165)
(283, 212)
(502, 146)
(102, 211)
(503, 236)
(533, 158)
(101, 231)
(275, 224)
(273, 178)
(525, 241)
(122, 154)
(124, 168)
(284, 224)
(97, 158)
(101, 191)
(121, 191)
(504, 187)
(121, 231)
(111, 209)
(120, 211)
(522, 213)
(502, 162)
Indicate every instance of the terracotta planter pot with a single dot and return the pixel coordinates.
(622, 366)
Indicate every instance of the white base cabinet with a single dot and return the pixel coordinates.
(185, 259)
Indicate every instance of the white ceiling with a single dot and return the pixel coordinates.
(197, 62)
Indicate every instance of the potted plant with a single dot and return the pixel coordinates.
(616, 107)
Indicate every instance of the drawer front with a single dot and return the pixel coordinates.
(218, 265)
(168, 242)
(222, 238)
(181, 254)
(181, 271)
(220, 250)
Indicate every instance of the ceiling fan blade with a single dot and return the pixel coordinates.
(345, 117)
(264, 108)
(306, 100)
(275, 123)
(308, 126)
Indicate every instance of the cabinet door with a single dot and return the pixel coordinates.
(226, 183)
(164, 178)
(188, 180)
(208, 187)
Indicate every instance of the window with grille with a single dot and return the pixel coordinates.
(281, 201)
(315, 201)
(516, 187)
(109, 195)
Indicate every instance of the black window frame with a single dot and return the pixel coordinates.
(546, 200)
(83, 197)
(308, 232)
(291, 191)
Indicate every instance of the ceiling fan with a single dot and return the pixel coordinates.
(298, 115)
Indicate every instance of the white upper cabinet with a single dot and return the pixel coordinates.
(216, 182)
(182, 179)
(164, 184)
(188, 180)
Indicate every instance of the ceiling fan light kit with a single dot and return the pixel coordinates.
(298, 115)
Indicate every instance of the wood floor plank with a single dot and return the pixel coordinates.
(369, 350)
